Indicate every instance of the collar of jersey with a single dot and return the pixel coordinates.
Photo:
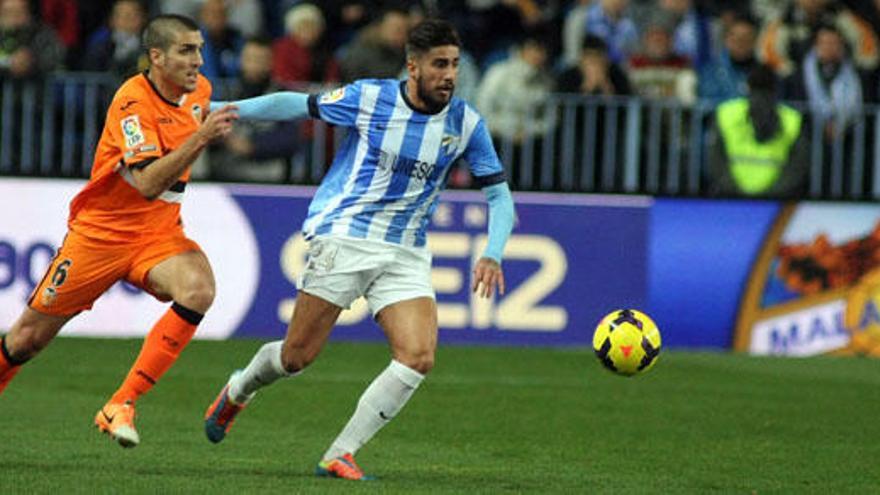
(156, 90)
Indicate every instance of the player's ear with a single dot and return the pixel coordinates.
(156, 56)
(411, 65)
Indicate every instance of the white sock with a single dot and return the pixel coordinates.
(380, 402)
(264, 368)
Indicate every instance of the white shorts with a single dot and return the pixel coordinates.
(342, 269)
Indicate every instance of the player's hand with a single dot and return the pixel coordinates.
(219, 122)
(487, 276)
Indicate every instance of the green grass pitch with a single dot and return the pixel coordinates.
(487, 420)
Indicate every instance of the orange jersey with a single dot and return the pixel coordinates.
(141, 126)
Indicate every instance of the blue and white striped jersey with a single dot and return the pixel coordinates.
(388, 173)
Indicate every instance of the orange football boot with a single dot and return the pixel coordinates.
(117, 420)
(342, 467)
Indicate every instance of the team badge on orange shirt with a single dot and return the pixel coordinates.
(131, 129)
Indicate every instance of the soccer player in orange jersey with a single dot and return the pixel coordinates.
(125, 223)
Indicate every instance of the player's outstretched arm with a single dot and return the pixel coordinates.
(283, 105)
(487, 272)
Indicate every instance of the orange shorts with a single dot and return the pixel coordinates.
(85, 267)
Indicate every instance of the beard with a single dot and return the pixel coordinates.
(435, 104)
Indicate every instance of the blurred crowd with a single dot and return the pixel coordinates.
(516, 52)
(683, 49)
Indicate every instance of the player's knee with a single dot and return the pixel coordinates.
(422, 362)
(27, 342)
(197, 294)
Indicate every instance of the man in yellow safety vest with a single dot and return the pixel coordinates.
(759, 150)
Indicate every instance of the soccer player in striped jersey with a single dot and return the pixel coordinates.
(367, 231)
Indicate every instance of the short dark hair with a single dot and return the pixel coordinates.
(832, 28)
(827, 26)
(744, 17)
(762, 78)
(159, 31)
(431, 33)
(260, 40)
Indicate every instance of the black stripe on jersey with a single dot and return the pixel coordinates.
(489, 180)
(143, 163)
(178, 187)
(313, 107)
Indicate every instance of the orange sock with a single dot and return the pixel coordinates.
(161, 348)
(9, 366)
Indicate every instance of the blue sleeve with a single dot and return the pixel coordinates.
(284, 105)
(339, 106)
(501, 218)
(482, 158)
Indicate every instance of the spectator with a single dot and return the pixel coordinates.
(691, 31)
(255, 150)
(223, 43)
(378, 51)
(63, 17)
(246, 16)
(188, 8)
(512, 92)
(830, 84)
(301, 56)
(94, 15)
(869, 11)
(727, 76)
(28, 48)
(344, 19)
(573, 32)
(785, 41)
(595, 73)
(656, 71)
(492, 27)
(607, 20)
(117, 48)
(767, 10)
(758, 149)
(720, 24)
(512, 98)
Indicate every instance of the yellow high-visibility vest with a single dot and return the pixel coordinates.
(755, 166)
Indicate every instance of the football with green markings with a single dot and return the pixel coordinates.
(627, 342)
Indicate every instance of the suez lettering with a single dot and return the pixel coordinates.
(520, 309)
(27, 264)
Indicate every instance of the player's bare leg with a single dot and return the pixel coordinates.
(186, 279)
(313, 319)
(411, 328)
(30, 334)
